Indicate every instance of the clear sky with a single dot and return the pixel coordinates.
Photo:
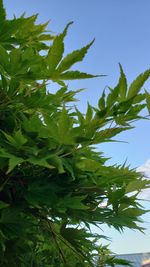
(122, 32)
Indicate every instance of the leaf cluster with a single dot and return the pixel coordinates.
(54, 184)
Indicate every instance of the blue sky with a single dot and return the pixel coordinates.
(122, 32)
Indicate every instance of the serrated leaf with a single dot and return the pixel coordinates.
(122, 85)
(107, 134)
(64, 126)
(101, 102)
(89, 113)
(68, 166)
(56, 50)
(57, 163)
(137, 185)
(134, 212)
(17, 140)
(74, 75)
(15, 60)
(137, 84)
(13, 162)
(40, 162)
(147, 100)
(88, 165)
(73, 58)
(139, 98)
(112, 96)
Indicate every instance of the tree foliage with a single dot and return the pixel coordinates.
(53, 182)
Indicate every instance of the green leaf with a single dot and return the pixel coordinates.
(15, 60)
(122, 85)
(74, 202)
(101, 102)
(135, 185)
(17, 140)
(137, 84)
(64, 127)
(14, 222)
(2, 12)
(40, 162)
(147, 100)
(74, 75)
(112, 96)
(133, 212)
(107, 134)
(4, 59)
(89, 113)
(73, 58)
(13, 162)
(3, 205)
(88, 165)
(41, 194)
(118, 94)
(57, 162)
(139, 98)
(56, 50)
(80, 116)
(68, 166)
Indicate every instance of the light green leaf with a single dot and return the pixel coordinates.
(64, 126)
(56, 50)
(40, 162)
(107, 134)
(17, 140)
(72, 58)
(137, 84)
(134, 212)
(137, 185)
(88, 165)
(13, 162)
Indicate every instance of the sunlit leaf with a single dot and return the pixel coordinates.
(72, 58)
(137, 84)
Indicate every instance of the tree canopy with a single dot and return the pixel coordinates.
(54, 183)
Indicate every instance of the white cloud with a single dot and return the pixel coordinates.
(145, 169)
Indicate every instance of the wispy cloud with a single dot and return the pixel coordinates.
(145, 169)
